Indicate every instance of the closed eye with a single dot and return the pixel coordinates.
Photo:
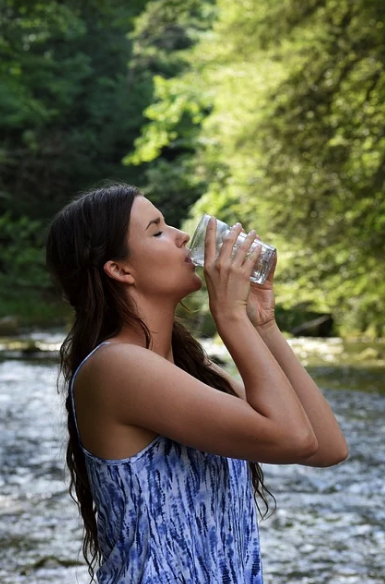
(157, 234)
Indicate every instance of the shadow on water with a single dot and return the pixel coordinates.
(343, 364)
(362, 378)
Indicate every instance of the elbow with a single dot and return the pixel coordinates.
(305, 446)
(309, 445)
(343, 453)
(330, 458)
(293, 447)
(335, 457)
(338, 454)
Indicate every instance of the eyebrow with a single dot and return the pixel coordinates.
(156, 221)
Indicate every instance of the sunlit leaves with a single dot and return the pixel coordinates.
(164, 37)
(298, 129)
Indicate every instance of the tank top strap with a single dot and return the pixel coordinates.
(71, 387)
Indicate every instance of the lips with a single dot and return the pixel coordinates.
(188, 258)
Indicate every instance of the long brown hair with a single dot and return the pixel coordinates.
(82, 237)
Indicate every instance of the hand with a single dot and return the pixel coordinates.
(261, 303)
(227, 277)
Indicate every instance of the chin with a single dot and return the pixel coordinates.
(199, 282)
(194, 286)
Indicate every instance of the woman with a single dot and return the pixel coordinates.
(164, 465)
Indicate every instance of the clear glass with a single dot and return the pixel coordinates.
(263, 264)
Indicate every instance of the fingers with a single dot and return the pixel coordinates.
(243, 255)
(229, 241)
(244, 248)
(252, 258)
(270, 276)
(237, 251)
(210, 240)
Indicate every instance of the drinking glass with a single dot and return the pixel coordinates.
(262, 265)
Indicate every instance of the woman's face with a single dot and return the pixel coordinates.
(158, 253)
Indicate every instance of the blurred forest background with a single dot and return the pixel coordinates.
(271, 113)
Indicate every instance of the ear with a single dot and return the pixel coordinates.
(118, 271)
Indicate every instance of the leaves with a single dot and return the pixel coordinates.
(270, 113)
(291, 140)
(67, 112)
(22, 262)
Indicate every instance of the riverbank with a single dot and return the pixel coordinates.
(335, 362)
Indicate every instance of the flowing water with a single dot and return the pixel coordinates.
(329, 526)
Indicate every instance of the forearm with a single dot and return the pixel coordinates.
(332, 445)
(268, 389)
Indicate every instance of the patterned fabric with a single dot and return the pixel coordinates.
(172, 514)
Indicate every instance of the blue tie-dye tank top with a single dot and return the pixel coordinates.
(174, 515)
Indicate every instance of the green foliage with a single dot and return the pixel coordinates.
(26, 289)
(172, 179)
(74, 81)
(68, 112)
(270, 113)
(294, 145)
(22, 263)
(163, 37)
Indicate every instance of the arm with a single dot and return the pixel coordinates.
(125, 384)
(266, 387)
(237, 386)
(332, 447)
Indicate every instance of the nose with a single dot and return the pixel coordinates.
(183, 237)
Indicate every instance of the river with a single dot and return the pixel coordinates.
(329, 526)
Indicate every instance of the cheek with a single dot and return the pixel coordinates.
(150, 256)
(157, 266)
(159, 262)
(164, 256)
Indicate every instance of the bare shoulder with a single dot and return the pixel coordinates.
(137, 387)
(133, 386)
(238, 386)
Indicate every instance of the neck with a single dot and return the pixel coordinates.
(158, 315)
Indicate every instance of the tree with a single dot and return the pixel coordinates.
(68, 111)
(319, 147)
(163, 38)
(294, 144)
